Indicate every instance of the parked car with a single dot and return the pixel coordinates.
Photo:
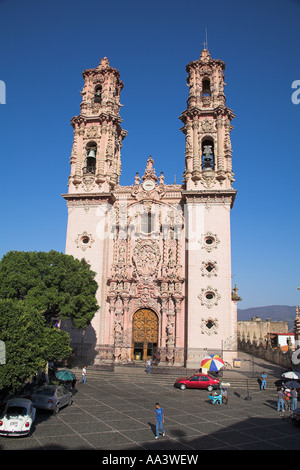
(18, 416)
(51, 397)
(198, 381)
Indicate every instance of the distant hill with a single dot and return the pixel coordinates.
(275, 312)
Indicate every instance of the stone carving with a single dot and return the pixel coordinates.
(209, 241)
(209, 297)
(88, 183)
(208, 125)
(84, 240)
(208, 178)
(146, 257)
(209, 326)
(209, 268)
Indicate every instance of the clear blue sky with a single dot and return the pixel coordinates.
(46, 46)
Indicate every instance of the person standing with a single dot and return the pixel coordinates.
(263, 381)
(160, 419)
(280, 402)
(148, 365)
(294, 395)
(224, 396)
(83, 373)
(287, 399)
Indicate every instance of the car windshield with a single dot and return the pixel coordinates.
(15, 411)
(47, 392)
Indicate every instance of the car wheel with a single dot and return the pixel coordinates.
(210, 388)
(70, 401)
(182, 387)
(56, 410)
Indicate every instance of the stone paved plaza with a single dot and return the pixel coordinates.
(115, 411)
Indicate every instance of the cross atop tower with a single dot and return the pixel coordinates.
(205, 43)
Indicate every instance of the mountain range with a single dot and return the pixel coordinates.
(274, 312)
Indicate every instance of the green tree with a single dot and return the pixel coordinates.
(29, 343)
(57, 285)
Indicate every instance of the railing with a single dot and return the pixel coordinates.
(89, 170)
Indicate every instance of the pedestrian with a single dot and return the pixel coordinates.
(83, 373)
(224, 396)
(280, 402)
(263, 381)
(148, 365)
(160, 419)
(294, 395)
(74, 381)
(287, 398)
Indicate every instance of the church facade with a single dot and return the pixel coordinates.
(161, 252)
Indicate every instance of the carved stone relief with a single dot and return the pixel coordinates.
(209, 297)
(84, 241)
(209, 241)
(209, 326)
(146, 257)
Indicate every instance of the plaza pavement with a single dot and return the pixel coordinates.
(114, 411)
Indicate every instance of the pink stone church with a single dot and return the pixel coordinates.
(161, 252)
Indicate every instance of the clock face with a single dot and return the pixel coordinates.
(148, 185)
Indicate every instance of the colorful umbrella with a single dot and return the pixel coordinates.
(212, 363)
(65, 375)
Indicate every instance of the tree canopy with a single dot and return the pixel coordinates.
(37, 289)
(29, 342)
(57, 285)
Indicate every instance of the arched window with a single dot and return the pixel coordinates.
(98, 94)
(206, 91)
(90, 160)
(147, 222)
(208, 158)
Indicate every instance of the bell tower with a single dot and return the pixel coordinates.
(96, 154)
(207, 126)
(209, 197)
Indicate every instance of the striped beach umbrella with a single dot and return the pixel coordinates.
(212, 363)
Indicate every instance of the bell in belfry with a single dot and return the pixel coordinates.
(208, 158)
(97, 96)
(92, 154)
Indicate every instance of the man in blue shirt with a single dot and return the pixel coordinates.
(263, 381)
(160, 419)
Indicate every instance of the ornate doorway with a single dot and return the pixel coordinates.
(144, 334)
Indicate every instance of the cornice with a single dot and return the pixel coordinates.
(93, 198)
(210, 196)
(196, 111)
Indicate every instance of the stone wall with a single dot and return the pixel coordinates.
(257, 329)
(275, 356)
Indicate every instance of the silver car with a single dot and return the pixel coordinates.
(51, 397)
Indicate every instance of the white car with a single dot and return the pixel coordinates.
(18, 416)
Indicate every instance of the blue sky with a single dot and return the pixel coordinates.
(47, 45)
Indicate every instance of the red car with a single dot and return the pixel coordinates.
(197, 381)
